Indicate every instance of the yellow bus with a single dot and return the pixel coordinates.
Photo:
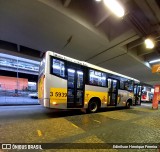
(67, 83)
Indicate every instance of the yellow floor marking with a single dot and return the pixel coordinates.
(97, 121)
(39, 133)
(75, 125)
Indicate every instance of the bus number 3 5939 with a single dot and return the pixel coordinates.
(58, 94)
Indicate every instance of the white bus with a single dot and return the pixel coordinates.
(67, 83)
(147, 96)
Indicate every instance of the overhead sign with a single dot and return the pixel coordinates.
(156, 68)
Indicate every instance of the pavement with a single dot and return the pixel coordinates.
(91, 132)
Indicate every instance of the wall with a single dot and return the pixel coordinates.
(10, 83)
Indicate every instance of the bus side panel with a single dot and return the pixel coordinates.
(123, 96)
(56, 92)
(96, 91)
(42, 91)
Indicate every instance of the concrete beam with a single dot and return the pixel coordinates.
(135, 43)
(66, 3)
(19, 70)
(102, 20)
(142, 52)
(19, 54)
(19, 50)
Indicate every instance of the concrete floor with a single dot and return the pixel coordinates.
(35, 124)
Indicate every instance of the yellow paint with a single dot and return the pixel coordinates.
(90, 94)
(39, 133)
(131, 94)
(41, 87)
(109, 99)
(118, 99)
(58, 95)
(54, 103)
(97, 121)
(75, 125)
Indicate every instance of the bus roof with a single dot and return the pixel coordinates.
(89, 65)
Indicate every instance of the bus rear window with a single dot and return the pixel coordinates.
(58, 67)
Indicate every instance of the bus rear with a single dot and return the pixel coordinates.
(147, 96)
(52, 88)
(41, 79)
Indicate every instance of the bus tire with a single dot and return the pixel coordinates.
(128, 105)
(93, 106)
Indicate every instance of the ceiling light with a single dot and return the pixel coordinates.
(115, 7)
(149, 43)
(154, 61)
(98, 0)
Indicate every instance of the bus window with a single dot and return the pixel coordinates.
(128, 86)
(97, 78)
(79, 79)
(121, 85)
(71, 79)
(58, 67)
(109, 83)
(114, 85)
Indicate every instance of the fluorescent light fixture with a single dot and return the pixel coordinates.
(98, 0)
(154, 61)
(149, 43)
(115, 7)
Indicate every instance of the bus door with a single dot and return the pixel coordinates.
(137, 94)
(75, 88)
(112, 92)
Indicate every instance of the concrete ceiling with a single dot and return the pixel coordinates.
(30, 27)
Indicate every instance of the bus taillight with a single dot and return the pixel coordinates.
(54, 103)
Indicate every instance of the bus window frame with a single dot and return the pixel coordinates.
(65, 66)
(118, 82)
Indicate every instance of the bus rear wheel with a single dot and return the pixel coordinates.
(128, 105)
(93, 107)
